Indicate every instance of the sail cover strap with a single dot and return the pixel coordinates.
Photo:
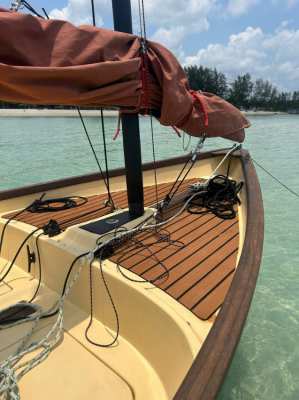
(54, 62)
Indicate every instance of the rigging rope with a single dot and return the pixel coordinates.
(275, 178)
(142, 23)
(105, 345)
(110, 199)
(177, 184)
(93, 13)
(106, 180)
(145, 87)
(111, 203)
(18, 4)
(154, 159)
(45, 12)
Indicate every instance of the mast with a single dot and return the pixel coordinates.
(130, 122)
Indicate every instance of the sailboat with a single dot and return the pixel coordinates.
(134, 283)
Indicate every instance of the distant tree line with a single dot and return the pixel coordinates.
(4, 104)
(243, 92)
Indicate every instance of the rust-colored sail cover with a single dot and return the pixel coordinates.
(54, 62)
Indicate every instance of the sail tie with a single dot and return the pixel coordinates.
(197, 98)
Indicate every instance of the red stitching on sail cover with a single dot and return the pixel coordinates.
(196, 97)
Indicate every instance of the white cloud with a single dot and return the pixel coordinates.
(172, 12)
(239, 7)
(269, 56)
(171, 20)
(79, 11)
(171, 38)
(176, 19)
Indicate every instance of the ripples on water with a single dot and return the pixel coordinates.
(266, 362)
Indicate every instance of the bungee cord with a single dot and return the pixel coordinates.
(114, 340)
(51, 228)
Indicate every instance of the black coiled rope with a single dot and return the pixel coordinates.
(219, 197)
(56, 204)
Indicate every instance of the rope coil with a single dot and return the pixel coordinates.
(56, 204)
(219, 197)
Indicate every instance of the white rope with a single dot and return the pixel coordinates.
(231, 151)
(11, 370)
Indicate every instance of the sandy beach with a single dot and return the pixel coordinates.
(91, 113)
(53, 113)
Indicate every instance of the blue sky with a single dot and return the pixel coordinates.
(235, 36)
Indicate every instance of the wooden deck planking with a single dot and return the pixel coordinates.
(211, 303)
(200, 269)
(94, 208)
(202, 246)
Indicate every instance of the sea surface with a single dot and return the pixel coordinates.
(266, 363)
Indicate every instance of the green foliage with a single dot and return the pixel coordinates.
(240, 92)
(207, 80)
(243, 92)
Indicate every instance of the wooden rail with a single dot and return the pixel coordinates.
(208, 371)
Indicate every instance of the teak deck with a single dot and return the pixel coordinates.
(200, 257)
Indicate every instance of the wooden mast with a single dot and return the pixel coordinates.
(130, 123)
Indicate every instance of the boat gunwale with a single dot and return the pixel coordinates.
(209, 368)
(87, 178)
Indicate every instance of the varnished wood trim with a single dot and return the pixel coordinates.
(77, 180)
(210, 366)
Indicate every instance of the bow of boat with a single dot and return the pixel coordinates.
(179, 296)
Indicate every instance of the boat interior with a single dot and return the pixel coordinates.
(166, 287)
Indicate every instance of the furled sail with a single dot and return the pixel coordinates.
(53, 62)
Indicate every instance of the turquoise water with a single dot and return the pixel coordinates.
(266, 363)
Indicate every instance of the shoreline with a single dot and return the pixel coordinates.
(30, 112)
